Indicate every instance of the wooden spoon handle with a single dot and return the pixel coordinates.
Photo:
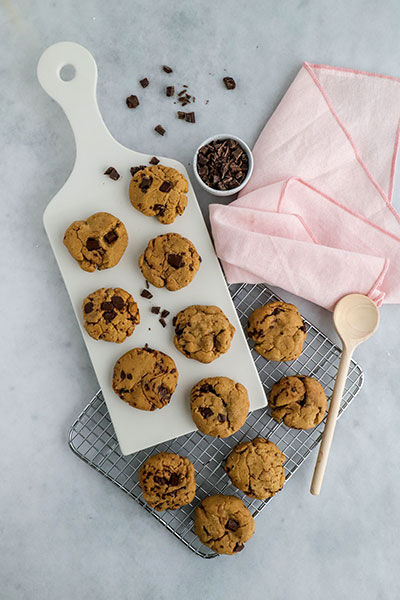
(327, 436)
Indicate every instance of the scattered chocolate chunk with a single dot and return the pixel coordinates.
(134, 170)
(163, 323)
(110, 237)
(190, 117)
(145, 183)
(174, 479)
(166, 186)
(132, 101)
(181, 92)
(88, 308)
(165, 313)
(205, 412)
(221, 418)
(155, 309)
(222, 164)
(147, 284)
(144, 82)
(169, 91)
(232, 524)
(167, 69)
(238, 547)
(112, 173)
(160, 129)
(174, 321)
(175, 260)
(230, 83)
(92, 244)
(146, 294)
(107, 306)
(154, 160)
(118, 302)
(181, 115)
(109, 316)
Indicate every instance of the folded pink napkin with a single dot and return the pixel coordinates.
(316, 218)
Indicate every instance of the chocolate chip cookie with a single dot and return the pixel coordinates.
(167, 481)
(219, 406)
(97, 243)
(170, 260)
(145, 378)
(202, 332)
(110, 314)
(159, 191)
(298, 401)
(256, 468)
(223, 523)
(278, 331)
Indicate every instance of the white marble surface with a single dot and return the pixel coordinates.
(65, 532)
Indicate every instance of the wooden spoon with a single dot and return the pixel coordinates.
(356, 318)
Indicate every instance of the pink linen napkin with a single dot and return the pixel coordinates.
(316, 218)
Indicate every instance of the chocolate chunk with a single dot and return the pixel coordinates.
(110, 237)
(147, 284)
(166, 186)
(206, 388)
(175, 260)
(145, 183)
(164, 392)
(205, 412)
(174, 321)
(146, 294)
(165, 313)
(154, 160)
(174, 479)
(169, 91)
(112, 173)
(230, 83)
(167, 69)
(159, 208)
(181, 92)
(129, 376)
(88, 308)
(232, 524)
(155, 309)
(107, 306)
(222, 164)
(190, 117)
(118, 302)
(123, 375)
(160, 480)
(303, 328)
(160, 129)
(134, 170)
(276, 311)
(181, 115)
(92, 244)
(221, 418)
(132, 101)
(163, 323)
(144, 82)
(238, 547)
(109, 316)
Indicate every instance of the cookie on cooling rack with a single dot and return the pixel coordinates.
(256, 468)
(278, 331)
(298, 401)
(97, 243)
(219, 406)
(223, 523)
(167, 481)
(159, 191)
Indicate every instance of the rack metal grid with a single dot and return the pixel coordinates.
(92, 436)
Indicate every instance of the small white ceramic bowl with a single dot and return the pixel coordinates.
(224, 136)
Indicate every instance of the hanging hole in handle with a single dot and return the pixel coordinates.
(67, 73)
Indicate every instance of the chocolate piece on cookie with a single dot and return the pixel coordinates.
(278, 331)
(97, 243)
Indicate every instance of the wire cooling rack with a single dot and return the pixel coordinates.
(93, 439)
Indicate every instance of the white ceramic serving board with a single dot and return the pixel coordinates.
(88, 191)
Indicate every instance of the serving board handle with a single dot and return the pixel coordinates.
(76, 97)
